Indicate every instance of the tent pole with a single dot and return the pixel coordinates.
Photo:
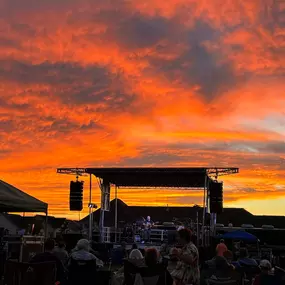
(90, 210)
(116, 212)
(46, 225)
(205, 204)
(101, 221)
(197, 225)
(208, 208)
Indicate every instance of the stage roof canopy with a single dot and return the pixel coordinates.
(14, 200)
(158, 177)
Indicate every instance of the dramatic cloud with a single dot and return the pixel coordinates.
(134, 83)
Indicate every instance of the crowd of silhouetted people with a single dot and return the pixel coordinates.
(179, 265)
(78, 267)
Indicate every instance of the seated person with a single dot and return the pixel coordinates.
(135, 258)
(280, 270)
(212, 263)
(48, 256)
(245, 260)
(246, 266)
(228, 255)
(266, 277)
(151, 257)
(153, 272)
(222, 267)
(82, 265)
(223, 272)
(82, 252)
(60, 252)
(130, 267)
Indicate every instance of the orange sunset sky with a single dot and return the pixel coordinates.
(88, 83)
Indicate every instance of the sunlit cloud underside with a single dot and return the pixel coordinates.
(144, 83)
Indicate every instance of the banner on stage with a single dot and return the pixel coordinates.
(105, 196)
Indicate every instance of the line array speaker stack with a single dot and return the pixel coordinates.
(76, 196)
(216, 197)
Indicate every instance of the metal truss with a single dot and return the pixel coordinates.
(211, 172)
(222, 171)
(159, 187)
(72, 171)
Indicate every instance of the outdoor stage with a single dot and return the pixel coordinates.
(187, 178)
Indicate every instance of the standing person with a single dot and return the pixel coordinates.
(187, 270)
(221, 248)
(148, 225)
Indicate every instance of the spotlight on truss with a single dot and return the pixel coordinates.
(92, 206)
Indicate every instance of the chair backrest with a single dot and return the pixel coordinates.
(103, 277)
(248, 272)
(153, 275)
(18, 273)
(153, 280)
(269, 279)
(40, 273)
(117, 256)
(82, 271)
(130, 271)
(221, 281)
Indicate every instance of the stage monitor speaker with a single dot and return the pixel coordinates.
(76, 196)
(216, 197)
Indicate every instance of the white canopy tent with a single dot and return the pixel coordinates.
(14, 200)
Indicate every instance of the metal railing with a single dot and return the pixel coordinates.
(155, 236)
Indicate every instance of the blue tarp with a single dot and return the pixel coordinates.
(239, 235)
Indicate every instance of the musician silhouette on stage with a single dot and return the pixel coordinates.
(147, 228)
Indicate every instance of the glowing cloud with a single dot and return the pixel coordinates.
(93, 83)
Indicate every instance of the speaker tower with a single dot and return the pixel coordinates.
(76, 196)
(216, 197)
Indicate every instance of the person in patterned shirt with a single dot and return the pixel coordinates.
(187, 270)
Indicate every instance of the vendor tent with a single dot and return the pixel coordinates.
(239, 235)
(15, 200)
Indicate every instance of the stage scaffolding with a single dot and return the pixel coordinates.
(145, 177)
